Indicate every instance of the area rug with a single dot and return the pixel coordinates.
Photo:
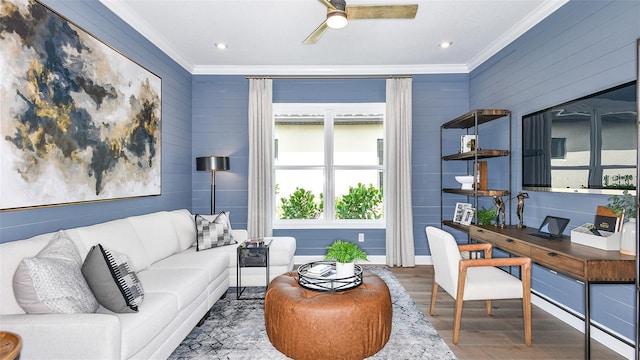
(235, 329)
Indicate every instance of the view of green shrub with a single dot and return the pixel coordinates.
(360, 203)
(301, 204)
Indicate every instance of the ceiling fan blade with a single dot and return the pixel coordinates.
(316, 34)
(328, 4)
(381, 12)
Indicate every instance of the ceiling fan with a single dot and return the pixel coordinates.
(338, 14)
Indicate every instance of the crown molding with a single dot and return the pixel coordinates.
(539, 14)
(327, 70)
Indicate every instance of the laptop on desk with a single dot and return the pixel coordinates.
(551, 228)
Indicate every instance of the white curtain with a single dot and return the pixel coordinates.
(397, 187)
(260, 158)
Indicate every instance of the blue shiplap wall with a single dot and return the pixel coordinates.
(584, 47)
(220, 127)
(176, 132)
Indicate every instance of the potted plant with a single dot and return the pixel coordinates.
(345, 254)
(486, 216)
(623, 204)
(627, 205)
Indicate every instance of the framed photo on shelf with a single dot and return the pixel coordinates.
(459, 212)
(467, 216)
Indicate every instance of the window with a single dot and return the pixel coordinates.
(329, 167)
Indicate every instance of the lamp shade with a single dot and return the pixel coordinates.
(212, 163)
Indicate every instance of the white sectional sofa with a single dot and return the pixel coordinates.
(180, 286)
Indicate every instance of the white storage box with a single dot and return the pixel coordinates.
(608, 241)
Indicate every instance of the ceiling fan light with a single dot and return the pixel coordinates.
(337, 20)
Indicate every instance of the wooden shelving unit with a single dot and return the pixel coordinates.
(470, 123)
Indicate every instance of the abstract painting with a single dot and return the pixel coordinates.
(79, 121)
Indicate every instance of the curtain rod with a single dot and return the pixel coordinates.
(331, 77)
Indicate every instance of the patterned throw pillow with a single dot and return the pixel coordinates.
(51, 282)
(113, 282)
(213, 233)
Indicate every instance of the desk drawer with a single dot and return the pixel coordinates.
(501, 241)
(558, 261)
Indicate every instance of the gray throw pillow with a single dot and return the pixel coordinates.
(113, 282)
(51, 282)
(213, 233)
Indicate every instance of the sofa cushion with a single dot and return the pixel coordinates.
(213, 232)
(214, 262)
(139, 329)
(157, 234)
(118, 235)
(183, 224)
(112, 281)
(51, 282)
(185, 284)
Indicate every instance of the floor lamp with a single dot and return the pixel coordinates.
(212, 163)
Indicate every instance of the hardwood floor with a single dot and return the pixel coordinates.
(500, 335)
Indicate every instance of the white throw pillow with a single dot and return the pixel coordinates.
(51, 282)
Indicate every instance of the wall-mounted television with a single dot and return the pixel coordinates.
(584, 145)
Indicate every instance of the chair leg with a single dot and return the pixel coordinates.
(457, 320)
(488, 307)
(434, 294)
(462, 276)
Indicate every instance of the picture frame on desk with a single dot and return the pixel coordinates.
(459, 212)
(467, 216)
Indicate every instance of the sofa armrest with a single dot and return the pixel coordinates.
(239, 235)
(66, 336)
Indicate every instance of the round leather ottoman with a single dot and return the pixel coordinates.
(307, 324)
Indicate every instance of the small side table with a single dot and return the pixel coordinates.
(252, 253)
(10, 345)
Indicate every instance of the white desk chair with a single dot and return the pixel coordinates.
(476, 279)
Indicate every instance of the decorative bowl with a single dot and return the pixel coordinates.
(466, 181)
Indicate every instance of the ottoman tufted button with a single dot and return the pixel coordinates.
(307, 324)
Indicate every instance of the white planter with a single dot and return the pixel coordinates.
(345, 270)
(628, 238)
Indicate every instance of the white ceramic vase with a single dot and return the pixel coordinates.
(628, 238)
(345, 270)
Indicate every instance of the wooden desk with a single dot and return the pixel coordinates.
(587, 264)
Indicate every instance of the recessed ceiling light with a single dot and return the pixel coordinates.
(221, 46)
(445, 44)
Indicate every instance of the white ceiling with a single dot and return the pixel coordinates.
(265, 37)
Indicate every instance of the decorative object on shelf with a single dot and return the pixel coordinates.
(627, 206)
(466, 182)
(81, 122)
(459, 212)
(487, 216)
(467, 216)
(497, 200)
(468, 143)
(481, 175)
(345, 254)
(212, 163)
(521, 196)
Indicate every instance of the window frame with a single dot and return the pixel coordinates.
(330, 110)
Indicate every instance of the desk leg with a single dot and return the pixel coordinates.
(587, 320)
(267, 271)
